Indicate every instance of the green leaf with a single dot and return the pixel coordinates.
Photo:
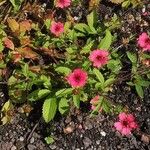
(91, 19)
(108, 82)
(106, 41)
(99, 75)
(76, 100)
(139, 90)
(63, 70)
(49, 109)
(25, 70)
(38, 94)
(143, 83)
(125, 4)
(63, 92)
(81, 27)
(114, 65)
(16, 4)
(132, 57)
(87, 48)
(1, 46)
(49, 140)
(47, 23)
(106, 105)
(63, 105)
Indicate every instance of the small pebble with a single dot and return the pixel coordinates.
(21, 139)
(32, 140)
(13, 147)
(31, 147)
(103, 133)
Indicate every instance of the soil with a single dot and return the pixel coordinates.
(77, 131)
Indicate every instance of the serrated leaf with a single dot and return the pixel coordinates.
(139, 90)
(63, 105)
(99, 75)
(106, 41)
(64, 70)
(76, 100)
(108, 82)
(81, 27)
(63, 92)
(132, 57)
(38, 94)
(49, 109)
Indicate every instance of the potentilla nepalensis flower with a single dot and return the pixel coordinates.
(57, 28)
(63, 3)
(8, 43)
(126, 123)
(144, 41)
(95, 102)
(99, 57)
(77, 78)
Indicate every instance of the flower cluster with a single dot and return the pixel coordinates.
(144, 41)
(78, 77)
(126, 123)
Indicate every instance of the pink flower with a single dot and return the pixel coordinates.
(57, 28)
(8, 43)
(126, 123)
(95, 102)
(99, 57)
(77, 78)
(63, 3)
(144, 41)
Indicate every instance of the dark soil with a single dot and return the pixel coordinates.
(78, 131)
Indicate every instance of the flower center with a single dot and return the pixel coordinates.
(61, 1)
(57, 28)
(147, 41)
(77, 78)
(125, 123)
(99, 57)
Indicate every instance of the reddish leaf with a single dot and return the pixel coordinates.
(8, 43)
(25, 25)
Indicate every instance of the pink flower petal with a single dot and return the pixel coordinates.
(63, 3)
(118, 126)
(130, 118)
(133, 125)
(126, 131)
(122, 116)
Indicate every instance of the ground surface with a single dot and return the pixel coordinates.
(78, 130)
